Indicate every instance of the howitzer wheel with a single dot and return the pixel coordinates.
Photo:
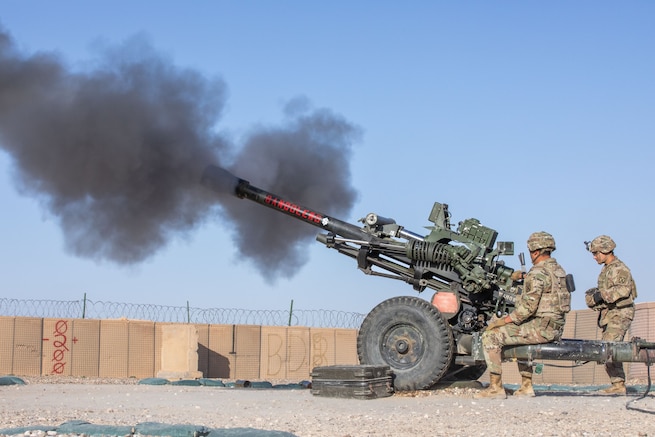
(410, 336)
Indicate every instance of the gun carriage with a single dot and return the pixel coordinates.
(427, 341)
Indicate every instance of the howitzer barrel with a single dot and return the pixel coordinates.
(222, 181)
(585, 350)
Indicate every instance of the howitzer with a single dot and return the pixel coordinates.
(424, 341)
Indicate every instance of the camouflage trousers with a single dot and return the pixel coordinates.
(615, 323)
(535, 331)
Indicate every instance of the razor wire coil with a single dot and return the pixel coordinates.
(89, 309)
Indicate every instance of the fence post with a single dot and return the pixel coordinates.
(290, 312)
(84, 306)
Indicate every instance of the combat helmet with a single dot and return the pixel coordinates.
(541, 240)
(603, 243)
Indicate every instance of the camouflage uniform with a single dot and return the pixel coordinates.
(538, 317)
(617, 309)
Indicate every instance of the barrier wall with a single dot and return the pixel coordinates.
(132, 348)
(128, 348)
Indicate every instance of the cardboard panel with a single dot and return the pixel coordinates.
(247, 359)
(85, 359)
(552, 372)
(179, 351)
(600, 375)
(586, 328)
(7, 345)
(650, 332)
(556, 372)
(636, 372)
(158, 349)
(141, 349)
(322, 347)
(28, 332)
(569, 326)
(639, 325)
(221, 351)
(274, 352)
(114, 340)
(346, 345)
(511, 373)
(158, 339)
(643, 326)
(285, 353)
(649, 308)
(298, 350)
(585, 374)
(586, 325)
(57, 346)
(158, 345)
(203, 349)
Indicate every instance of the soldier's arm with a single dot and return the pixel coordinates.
(618, 285)
(528, 302)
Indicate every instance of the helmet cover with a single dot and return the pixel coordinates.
(541, 240)
(602, 243)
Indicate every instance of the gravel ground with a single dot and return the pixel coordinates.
(449, 411)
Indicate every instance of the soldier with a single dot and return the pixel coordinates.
(538, 317)
(614, 299)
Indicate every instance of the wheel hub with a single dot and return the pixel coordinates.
(402, 346)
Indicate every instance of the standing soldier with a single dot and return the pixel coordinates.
(538, 317)
(615, 299)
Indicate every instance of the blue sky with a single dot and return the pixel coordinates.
(526, 115)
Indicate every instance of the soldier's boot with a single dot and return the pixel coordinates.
(617, 388)
(526, 388)
(495, 389)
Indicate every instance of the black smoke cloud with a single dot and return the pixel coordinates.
(115, 152)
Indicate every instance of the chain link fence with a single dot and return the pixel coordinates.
(88, 309)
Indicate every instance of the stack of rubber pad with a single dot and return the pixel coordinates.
(357, 381)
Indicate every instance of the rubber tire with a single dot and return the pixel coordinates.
(412, 337)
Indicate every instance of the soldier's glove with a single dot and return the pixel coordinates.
(497, 323)
(517, 275)
(597, 297)
(593, 298)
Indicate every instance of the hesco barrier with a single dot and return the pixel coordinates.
(132, 348)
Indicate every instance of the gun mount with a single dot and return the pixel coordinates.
(423, 341)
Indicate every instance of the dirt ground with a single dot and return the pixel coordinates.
(450, 411)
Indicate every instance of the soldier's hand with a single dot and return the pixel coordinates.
(593, 298)
(597, 297)
(497, 323)
(517, 275)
